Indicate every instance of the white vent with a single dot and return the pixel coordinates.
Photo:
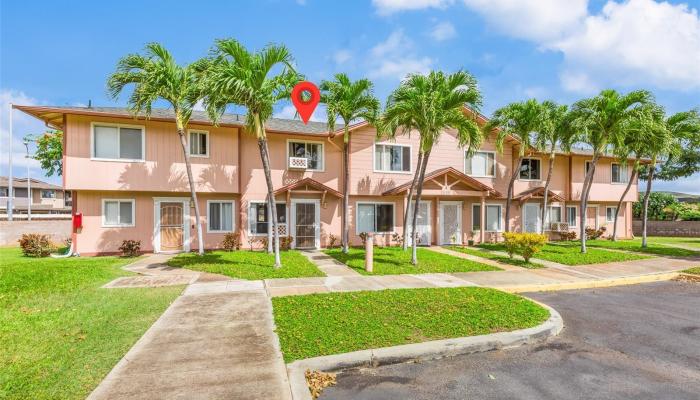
(298, 162)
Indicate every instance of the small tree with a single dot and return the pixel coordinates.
(49, 152)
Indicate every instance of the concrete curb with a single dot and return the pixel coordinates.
(421, 351)
(592, 284)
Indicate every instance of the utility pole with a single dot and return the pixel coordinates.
(29, 181)
(11, 192)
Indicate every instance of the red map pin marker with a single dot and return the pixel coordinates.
(305, 97)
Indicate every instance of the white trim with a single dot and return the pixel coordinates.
(538, 223)
(548, 216)
(500, 220)
(430, 222)
(92, 141)
(539, 178)
(233, 215)
(481, 223)
(374, 160)
(247, 213)
(613, 215)
(206, 133)
(323, 154)
(133, 213)
(626, 171)
(317, 220)
(441, 213)
(495, 164)
(393, 215)
(186, 240)
(575, 217)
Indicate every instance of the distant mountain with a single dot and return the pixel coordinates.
(681, 197)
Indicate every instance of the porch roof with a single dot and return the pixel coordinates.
(308, 184)
(445, 173)
(536, 192)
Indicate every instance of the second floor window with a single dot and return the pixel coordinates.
(530, 169)
(392, 158)
(619, 173)
(482, 163)
(199, 143)
(115, 142)
(3, 192)
(48, 194)
(313, 152)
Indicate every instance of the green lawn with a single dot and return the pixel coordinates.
(245, 264)
(569, 253)
(59, 333)
(694, 271)
(393, 260)
(685, 241)
(332, 323)
(504, 259)
(653, 247)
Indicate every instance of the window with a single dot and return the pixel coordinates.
(610, 214)
(313, 152)
(118, 142)
(571, 215)
(3, 192)
(392, 158)
(554, 214)
(199, 143)
(48, 194)
(493, 218)
(220, 216)
(257, 217)
(118, 212)
(476, 217)
(482, 163)
(375, 217)
(619, 173)
(530, 169)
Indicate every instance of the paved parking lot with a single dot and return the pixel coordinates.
(640, 342)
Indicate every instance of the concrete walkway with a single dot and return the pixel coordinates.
(205, 346)
(329, 265)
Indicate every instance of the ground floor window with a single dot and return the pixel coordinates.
(220, 216)
(493, 218)
(571, 215)
(118, 212)
(375, 217)
(554, 214)
(257, 217)
(476, 217)
(610, 214)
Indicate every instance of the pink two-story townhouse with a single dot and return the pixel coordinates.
(128, 180)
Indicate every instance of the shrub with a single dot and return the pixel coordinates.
(363, 237)
(130, 248)
(35, 245)
(593, 234)
(331, 240)
(524, 244)
(568, 235)
(285, 242)
(396, 238)
(232, 241)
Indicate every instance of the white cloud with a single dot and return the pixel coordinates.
(443, 31)
(342, 56)
(531, 19)
(289, 112)
(690, 185)
(386, 7)
(22, 125)
(578, 82)
(395, 58)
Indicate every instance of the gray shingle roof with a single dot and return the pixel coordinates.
(22, 183)
(273, 124)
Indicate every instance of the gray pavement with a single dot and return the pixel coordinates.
(639, 341)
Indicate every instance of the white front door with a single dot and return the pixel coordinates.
(450, 222)
(531, 218)
(423, 231)
(306, 225)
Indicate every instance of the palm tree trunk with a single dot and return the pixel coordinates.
(509, 197)
(419, 190)
(193, 190)
(270, 239)
(346, 195)
(546, 189)
(619, 203)
(645, 208)
(408, 202)
(587, 183)
(265, 156)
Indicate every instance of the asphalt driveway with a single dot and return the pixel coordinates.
(640, 341)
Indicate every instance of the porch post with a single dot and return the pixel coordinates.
(482, 232)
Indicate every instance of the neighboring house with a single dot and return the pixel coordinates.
(129, 182)
(46, 199)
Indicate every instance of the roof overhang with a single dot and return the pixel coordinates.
(446, 178)
(537, 192)
(308, 185)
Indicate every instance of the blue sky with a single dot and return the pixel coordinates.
(61, 54)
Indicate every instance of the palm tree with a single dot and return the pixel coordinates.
(665, 145)
(235, 76)
(155, 75)
(350, 101)
(600, 121)
(431, 104)
(520, 121)
(554, 132)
